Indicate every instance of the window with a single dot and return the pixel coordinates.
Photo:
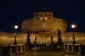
(36, 14)
(43, 19)
(49, 14)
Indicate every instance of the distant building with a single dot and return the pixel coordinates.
(44, 20)
(43, 26)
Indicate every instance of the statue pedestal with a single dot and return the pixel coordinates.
(59, 46)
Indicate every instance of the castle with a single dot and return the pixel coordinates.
(43, 26)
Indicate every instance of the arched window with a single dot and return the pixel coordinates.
(36, 14)
(43, 19)
(49, 14)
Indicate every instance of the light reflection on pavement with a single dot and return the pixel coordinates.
(45, 51)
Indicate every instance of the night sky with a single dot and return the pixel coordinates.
(15, 11)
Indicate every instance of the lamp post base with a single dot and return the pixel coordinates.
(15, 43)
(74, 42)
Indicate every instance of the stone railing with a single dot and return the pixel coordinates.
(10, 50)
(74, 48)
(16, 49)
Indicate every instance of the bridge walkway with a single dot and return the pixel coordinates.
(45, 51)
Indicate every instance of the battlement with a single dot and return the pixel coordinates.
(3, 33)
(64, 33)
(75, 33)
(41, 33)
(18, 33)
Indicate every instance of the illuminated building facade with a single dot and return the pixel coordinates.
(42, 26)
(44, 20)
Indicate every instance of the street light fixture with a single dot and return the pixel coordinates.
(73, 27)
(15, 27)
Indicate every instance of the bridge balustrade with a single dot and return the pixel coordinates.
(3, 49)
(16, 49)
(74, 48)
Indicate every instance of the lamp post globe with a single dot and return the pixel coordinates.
(73, 26)
(16, 26)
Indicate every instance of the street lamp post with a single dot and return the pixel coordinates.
(15, 27)
(73, 27)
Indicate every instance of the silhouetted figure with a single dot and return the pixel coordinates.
(28, 39)
(59, 43)
(28, 44)
(59, 37)
(51, 41)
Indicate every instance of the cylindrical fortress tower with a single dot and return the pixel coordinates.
(44, 20)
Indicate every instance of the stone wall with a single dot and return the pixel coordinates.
(8, 38)
(44, 21)
(79, 37)
(66, 37)
(50, 24)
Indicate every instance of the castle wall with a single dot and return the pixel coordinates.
(66, 37)
(44, 21)
(49, 24)
(79, 37)
(8, 38)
